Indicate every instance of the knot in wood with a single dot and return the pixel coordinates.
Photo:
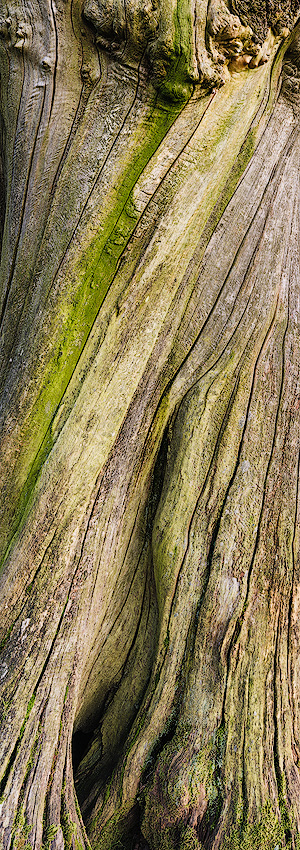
(15, 33)
(5, 29)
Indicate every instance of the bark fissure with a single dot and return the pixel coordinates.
(239, 622)
(279, 777)
(56, 59)
(289, 665)
(72, 236)
(25, 195)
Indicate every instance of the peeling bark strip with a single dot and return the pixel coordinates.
(149, 458)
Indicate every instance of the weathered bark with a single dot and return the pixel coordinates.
(149, 426)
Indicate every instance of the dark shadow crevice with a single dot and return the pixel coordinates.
(87, 742)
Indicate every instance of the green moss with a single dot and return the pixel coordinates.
(6, 638)
(21, 828)
(94, 272)
(266, 834)
(69, 829)
(182, 777)
(118, 831)
(5, 709)
(186, 839)
(189, 840)
(21, 832)
(49, 835)
(28, 712)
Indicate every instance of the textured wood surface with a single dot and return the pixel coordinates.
(149, 428)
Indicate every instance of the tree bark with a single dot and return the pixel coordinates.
(149, 451)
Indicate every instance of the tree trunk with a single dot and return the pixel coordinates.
(150, 383)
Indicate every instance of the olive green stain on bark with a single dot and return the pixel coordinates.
(18, 743)
(268, 833)
(203, 772)
(173, 73)
(96, 269)
(117, 833)
(69, 829)
(93, 272)
(50, 834)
